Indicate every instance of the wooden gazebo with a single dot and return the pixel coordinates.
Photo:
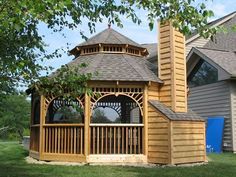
(152, 123)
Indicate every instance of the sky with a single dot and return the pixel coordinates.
(138, 33)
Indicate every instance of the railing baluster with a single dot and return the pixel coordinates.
(62, 140)
(106, 140)
(110, 138)
(52, 140)
(74, 140)
(135, 140)
(65, 134)
(131, 138)
(102, 141)
(49, 137)
(78, 140)
(127, 140)
(122, 139)
(94, 140)
(68, 141)
(59, 140)
(71, 140)
(98, 140)
(55, 148)
(81, 140)
(118, 136)
(46, 134)
(114, 140)
(139, 140)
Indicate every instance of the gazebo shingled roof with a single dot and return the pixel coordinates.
(114, 65)
(117, 67)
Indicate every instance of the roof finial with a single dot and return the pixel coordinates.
(109, 25)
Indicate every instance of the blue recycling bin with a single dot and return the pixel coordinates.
(214, 134)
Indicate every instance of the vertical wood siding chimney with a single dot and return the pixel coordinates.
(172, 67)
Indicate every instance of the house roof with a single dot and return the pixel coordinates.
(152, 49)
(224, 59)
(216, 22)
(224, 41)
(109, 36)
(190, 115)
(117, 67)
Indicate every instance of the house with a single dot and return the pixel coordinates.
(150, 122)
(211, 71)
(212, 93)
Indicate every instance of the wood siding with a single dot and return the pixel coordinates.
(158, 137)
(179, 74)
(188, 142)
(233, 112)
(164, 63)
(172, 68)
(213, 100)
(153, 91)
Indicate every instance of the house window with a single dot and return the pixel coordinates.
(203, 73)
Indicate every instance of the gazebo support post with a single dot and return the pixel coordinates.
(86, 125)
(145, 120)
(42, 121)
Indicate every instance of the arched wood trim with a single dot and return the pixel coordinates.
(49, 99)
(131, 95)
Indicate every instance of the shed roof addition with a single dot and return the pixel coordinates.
(163, 109)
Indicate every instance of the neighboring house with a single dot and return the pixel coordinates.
(211, 71)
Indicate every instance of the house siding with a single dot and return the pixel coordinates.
(214, 100)
(153, 91)
(198, 42)
(233, 112)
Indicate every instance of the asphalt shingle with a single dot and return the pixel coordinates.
(225, 59)
(117, 67)
(190, 115)
(109, 36)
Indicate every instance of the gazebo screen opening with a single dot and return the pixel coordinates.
(117, 110)
(65, 110)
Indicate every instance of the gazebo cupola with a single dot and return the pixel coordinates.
(109, 41)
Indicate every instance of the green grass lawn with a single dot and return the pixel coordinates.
(12, 163)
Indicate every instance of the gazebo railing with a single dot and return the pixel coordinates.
(64, 138)
(34, 137)
(116, 138)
